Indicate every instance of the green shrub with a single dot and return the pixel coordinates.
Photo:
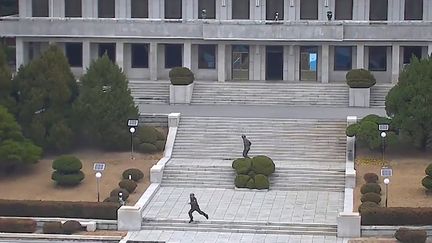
(428, 170)
(250, 184)
(67, 179)
(148, 134)
(406, 235)
(263, 165)
(242, 166)
(351, 130)
(115, 193)
(67, 164)
(396, 216)
(367, 205)
(261, 182)
(377, 119)
(135, 174)
(360, 78)
(181, 76)
(427, 182)
(111, 199)
(147, 148)
(71, 226)
(17, 225)
(370, 187)
(127, 184)
(371, 178)
(241, 181)
(52, 228)
(160, 145)
(252, 174)
(371, 197)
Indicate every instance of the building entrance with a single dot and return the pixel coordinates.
(274, 63)
(240, 62)
(308, 63)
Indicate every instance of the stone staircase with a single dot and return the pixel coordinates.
(150, 92)
(378, 94)
(253, 227)
(271, 93)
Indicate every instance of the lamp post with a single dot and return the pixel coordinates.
(132, 124)
(98, 176)
(386, 182)
(122, 202)
(132, 131)
(383, 136)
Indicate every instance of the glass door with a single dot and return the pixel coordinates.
(240, 62)
(308, 63)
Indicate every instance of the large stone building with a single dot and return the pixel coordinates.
(290, 40)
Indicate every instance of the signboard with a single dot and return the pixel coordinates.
(383, 127)
(386, 172)
(132, 122)
(99, 166)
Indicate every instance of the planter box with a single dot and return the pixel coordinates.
(359, 97)
(181, 94)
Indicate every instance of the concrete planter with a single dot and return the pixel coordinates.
(359, 97)
(181, 94)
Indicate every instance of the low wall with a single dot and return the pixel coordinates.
(155, 120)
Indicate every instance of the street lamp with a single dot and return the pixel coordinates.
(383, 136)
(386, 182)
(98, 176)
(122, 202)
(132, 124)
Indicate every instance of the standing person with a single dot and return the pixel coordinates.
(246, 146)
(195, 207)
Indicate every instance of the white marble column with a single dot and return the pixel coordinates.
(360, 56)
(24, 8)
(19, 52)
(395, 62)
(121, 8)
(187, 55)
(325, 63)
(256, 61)
(120, 54)
(221, 65)
(86, 55)
(291, 63)
(430, 49)
(285, 63)
(89, 8)
(153, 61)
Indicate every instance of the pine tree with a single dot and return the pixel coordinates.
(6, 99)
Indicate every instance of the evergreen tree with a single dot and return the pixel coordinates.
(6, 99)
(45, 90)
(104, 105)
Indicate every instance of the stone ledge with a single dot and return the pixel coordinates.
(60, 237)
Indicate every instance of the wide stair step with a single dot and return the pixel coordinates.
(150, 92)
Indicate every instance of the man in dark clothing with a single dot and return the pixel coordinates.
(246, 146)
(195, 207)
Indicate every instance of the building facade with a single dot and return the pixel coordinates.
(220, 40)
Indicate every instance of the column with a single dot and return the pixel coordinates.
(57, 8)
(360, 55)
(19, 52)
(24, 8)
(430, 49)
(119, 54)
(291, 63)
(221, 66)
(153, 61)
(325, 63)
(89, 8)
(256, 62)
(187, 55)
(395, 62)
(120, 8)
(86, 55)
(51, 8)
(285, 62)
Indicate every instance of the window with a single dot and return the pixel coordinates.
(173, 9)
(344, 10)
(342, 58)
(206, 9)
(73, 8)
(240, 9)
(206, 57)
(410, 51)
(173, 55)
(139, 8)
(74, 54)
(378, 10)
(106, 8)
(309, 9)
(377, 58)
(8, 7)
(413, 9)
(40, 8)
(274, 9)
(109, 49)
(139, 55)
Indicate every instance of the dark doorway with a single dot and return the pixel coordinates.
(109, 49)
(274, 63)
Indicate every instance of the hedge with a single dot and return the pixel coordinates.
(366, 205)
(241, 181)
(360, 78)
(263, 165)
(370, 178)
(115, 193)
(411, 235)
(67, 179)
(242, 166)
(71, 226)
(370, 187)
(181, 76)
(67, 164)
(17, 225)
(32, 208)
(135, 174)
(396, 216)
(427, 182)
(428, 170)
(127, 184)
(52, 228)
(261, 182)
(147, 148)
(371, 197)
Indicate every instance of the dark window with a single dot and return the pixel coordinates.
(173, 9)
(410, 51)
(240, 9)
(74, 54)
(139, 55)
(378, 10)
(342, 58)
(206, 56)
(344, 10)
(206, 9)
(73, 8)
(139, 9)
(40, 8)
(173, 55)
(309, 9)
(274, 9)
(8, 7)
(106, 8)
(377, 58)
(109, 49)
(413, 9)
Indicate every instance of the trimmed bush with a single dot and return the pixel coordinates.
(360, 78)
(17, 225)
(407, 235)
(371, 197)
(367, 205)
(52, 228)
(261, 182)
(427, 182)
(67, 179)
(127, 184)
(148, 134)
(428, 170)
(160, 145)
(111, 199)
(370, 187)
(351, 130)
(243, 165)
(135, 174)
(67, 164)
(263, 165)
(371, 178)
(241, 181)
(71, 226)
(250, 184)
(115, 193)
(252, 173)
(181, 76)
(147, 148)
(396, 216)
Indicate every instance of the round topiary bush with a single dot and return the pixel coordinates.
(127, 184)
(252, 173)
(71, 226)
(242, 166)
(428, 170)
(250, 184)
(67, 164)
(367, 205)
(411, 235)
(67, 179)
(371, 197)
(115, 193)
(370, 187)
(261, 182)
(52, 228)
(370, 178)
(360, 78)
(427, 182)
(263, 165)
(351, 130)
(241, 181)
(181, 76)
(147, 148)
(160, 145)
(135, 174)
